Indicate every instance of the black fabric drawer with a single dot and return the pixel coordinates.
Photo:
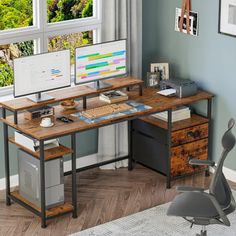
(150, 130)
(149, 152)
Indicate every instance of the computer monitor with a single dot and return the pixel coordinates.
(40, 73)
(100, 61)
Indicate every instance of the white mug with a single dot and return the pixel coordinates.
(46, 121)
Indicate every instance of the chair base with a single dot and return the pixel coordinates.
(203, 233)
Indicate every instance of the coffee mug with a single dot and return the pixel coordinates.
(46, 122)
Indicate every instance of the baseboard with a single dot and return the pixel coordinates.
(81, 162)
(13, 179)
(229, 174)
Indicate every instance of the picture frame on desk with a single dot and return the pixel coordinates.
(227, 17)
(163, 68)
(153, 79)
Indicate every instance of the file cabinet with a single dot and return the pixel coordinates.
(189, 140)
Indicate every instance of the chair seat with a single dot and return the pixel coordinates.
(192, 204)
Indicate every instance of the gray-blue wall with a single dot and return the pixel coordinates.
(209, 59)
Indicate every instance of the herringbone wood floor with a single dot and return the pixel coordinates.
(102, 196)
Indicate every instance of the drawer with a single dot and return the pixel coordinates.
(189, 135)
(181, 155)
(150, 130)
(149, 152)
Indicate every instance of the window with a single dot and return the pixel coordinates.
(34, 26)
(15, 14)
(7, 53)
(70, 41)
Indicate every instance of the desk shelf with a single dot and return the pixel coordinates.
(50, 154)
(50, 213)
(195, 120)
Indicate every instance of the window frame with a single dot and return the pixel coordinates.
(41, 30)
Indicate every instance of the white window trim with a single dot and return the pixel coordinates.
(41, 30)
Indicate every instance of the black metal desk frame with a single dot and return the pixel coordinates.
(74, 170)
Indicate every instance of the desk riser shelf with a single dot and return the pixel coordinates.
(76, 92)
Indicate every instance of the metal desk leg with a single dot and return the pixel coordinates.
(168, 175)
(84, 103)
(6, 157)
(130, 151)
(15, 117)
(141, 90)
(42, 184)
(209, 116)
(74, 188)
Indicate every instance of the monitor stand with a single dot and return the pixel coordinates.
(98, 85)
(40, 97)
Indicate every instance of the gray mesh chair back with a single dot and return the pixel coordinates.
(203, 208)
(219, 186)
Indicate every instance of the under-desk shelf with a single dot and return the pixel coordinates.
(49, 154)
(52, 212)
(183, 124)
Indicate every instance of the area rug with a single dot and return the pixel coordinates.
(155, 222)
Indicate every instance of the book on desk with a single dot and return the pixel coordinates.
(180, 113)
(113, 96)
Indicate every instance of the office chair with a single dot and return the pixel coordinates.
(202, 208)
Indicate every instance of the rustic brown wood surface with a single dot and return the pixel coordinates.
(49, 154)
(189, 134)
(181, 155)
(20, 104)
(150, 97)
(55, 211)
(179, 125)
(103, 196)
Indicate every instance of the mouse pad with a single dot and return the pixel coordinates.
(137, 107)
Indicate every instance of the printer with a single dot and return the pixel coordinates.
(183, 87)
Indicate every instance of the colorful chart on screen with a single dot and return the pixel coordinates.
(100, 61)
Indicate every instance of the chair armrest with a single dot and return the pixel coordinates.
(182, 189)
(202, 162)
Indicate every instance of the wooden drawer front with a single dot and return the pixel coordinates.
(181, 155)
(190, 134)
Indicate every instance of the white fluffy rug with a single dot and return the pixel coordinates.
(155, 222)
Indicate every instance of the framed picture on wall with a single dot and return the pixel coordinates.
(193, 21)
(227, 17)
(163, 68)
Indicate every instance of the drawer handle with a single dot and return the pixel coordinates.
(190, 158)
(192, 134)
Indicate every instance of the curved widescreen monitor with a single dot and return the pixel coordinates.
(100, 61)
(41, 72)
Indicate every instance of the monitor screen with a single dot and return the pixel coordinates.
(42, 72)
(100, 61)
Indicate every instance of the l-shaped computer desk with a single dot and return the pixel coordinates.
(135, 91)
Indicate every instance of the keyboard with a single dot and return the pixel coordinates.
(106, 110)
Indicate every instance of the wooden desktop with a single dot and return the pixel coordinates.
(31, 128)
